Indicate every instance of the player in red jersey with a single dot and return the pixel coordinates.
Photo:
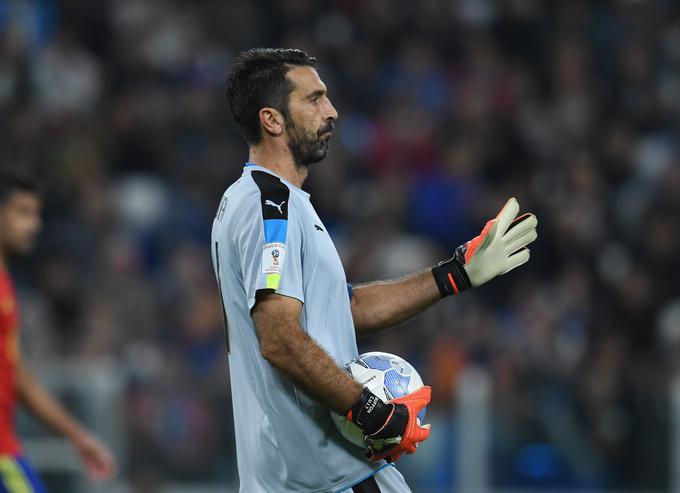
(20, 222)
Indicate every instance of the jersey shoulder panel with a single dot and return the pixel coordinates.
(274, 195)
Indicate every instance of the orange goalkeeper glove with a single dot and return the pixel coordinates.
(499, 248)
(392, 428)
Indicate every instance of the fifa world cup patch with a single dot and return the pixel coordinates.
(273, 255)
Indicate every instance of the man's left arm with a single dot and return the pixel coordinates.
(499, 248)
(98, 460)
(379, 305)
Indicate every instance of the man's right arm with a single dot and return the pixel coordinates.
(289, 349)
(390, 429)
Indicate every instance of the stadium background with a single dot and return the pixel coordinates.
(446, 109)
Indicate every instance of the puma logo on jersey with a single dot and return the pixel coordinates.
(274, 204)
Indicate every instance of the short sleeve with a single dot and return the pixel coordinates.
(271, 242)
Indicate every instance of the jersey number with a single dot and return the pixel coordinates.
(219, 286)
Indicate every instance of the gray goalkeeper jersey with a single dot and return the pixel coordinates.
(266, 235)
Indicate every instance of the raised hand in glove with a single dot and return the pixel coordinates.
(499, 248)
(392, 428)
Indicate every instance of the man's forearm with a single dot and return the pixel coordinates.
(379, 305)
(43, 406)
(289, 349)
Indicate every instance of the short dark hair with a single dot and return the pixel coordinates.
(16, 181)
(258, 80)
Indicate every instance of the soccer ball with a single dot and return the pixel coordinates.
(386, 375)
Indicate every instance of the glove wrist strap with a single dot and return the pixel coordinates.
(450, 274)
(369, 413)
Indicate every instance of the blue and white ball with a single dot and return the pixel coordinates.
(386, 375)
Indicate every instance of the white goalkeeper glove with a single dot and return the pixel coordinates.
(499, 248)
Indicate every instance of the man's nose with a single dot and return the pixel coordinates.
(332, 112)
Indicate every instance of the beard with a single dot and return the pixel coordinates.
(308, 147)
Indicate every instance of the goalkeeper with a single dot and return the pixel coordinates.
(291, 317)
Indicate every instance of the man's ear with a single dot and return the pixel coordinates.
(271, 121)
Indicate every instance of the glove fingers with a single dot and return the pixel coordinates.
(417, 400)
(419, 434)
(520, 226)
(519, 258)
(422, 433)
(414, 433)
(522, 217)
(520, 242)
(507, 214)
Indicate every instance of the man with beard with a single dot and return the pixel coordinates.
(292, 319)
(20, 222)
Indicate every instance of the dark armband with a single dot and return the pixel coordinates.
(450, 274)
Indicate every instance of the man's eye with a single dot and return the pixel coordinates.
(315, 100)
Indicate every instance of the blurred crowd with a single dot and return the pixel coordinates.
(447, 107)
